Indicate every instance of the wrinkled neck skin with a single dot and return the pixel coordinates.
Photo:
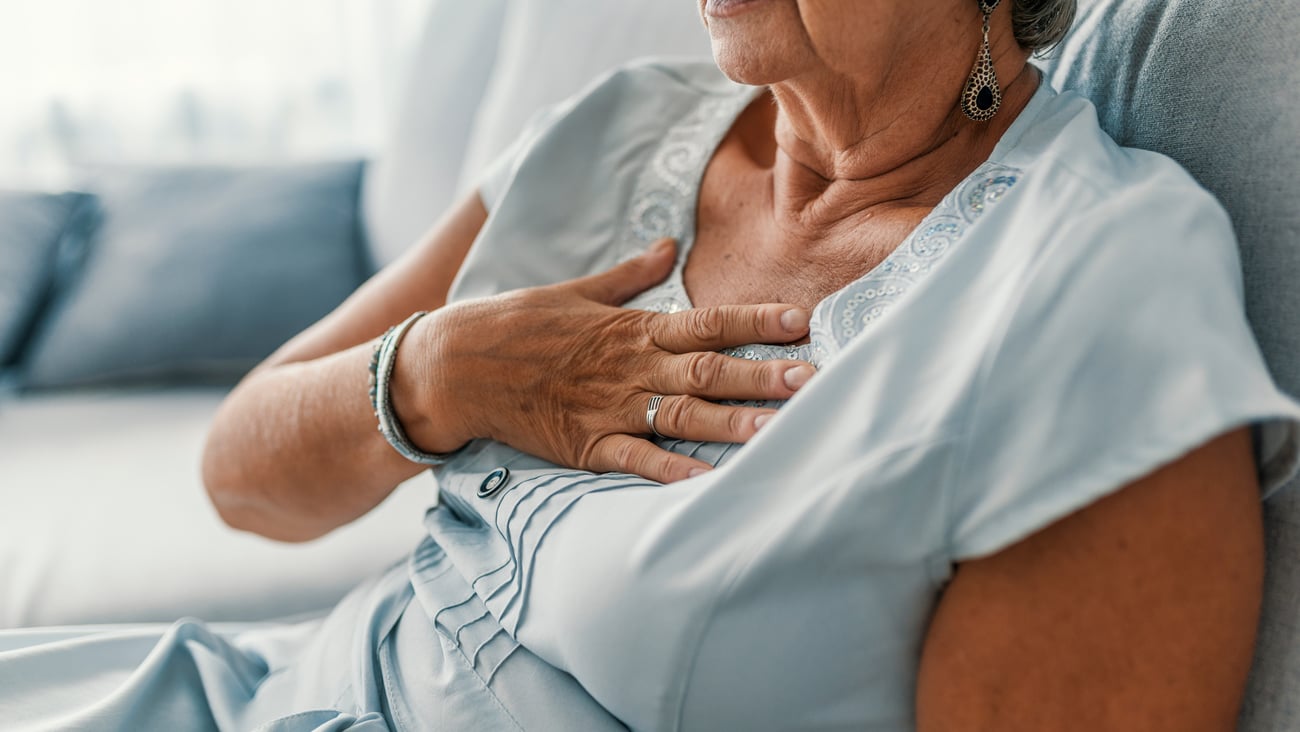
(852, 147)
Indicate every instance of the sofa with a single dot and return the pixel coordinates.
(131, 305)
(107, 395)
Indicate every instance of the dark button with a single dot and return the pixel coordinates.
(495, 481)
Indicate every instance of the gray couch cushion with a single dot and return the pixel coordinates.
(198, 273)
(1213, 85)
(31, 227)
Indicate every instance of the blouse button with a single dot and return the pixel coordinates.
(494, 482)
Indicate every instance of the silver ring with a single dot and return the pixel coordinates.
(651, 411)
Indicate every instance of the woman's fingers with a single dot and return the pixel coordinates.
(689, 418)
(711, 375)
(682, 417)
(569, 347)
(626, 280)
(619, 453)
(711, 329)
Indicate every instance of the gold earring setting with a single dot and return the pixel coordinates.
(982, 96)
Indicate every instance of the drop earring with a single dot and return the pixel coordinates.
(982, 97)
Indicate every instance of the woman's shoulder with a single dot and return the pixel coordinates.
(1099, 228)
(619, 114)
(1066, 143)
(1122, 342)
(561, 197)
(1077, 179)
(638, 101)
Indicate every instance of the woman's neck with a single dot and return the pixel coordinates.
(842, 152)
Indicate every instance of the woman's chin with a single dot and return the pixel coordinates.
(757, 42)
(744, 63)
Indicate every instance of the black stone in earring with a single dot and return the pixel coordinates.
(982, 96)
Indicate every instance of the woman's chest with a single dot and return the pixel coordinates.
(743, 251)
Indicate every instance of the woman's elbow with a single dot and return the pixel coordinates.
(244, 509)
(243, 516)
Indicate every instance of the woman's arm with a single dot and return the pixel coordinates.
(294, 450)
(1136, 613)
(560, 372)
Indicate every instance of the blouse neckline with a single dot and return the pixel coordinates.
(666, 203)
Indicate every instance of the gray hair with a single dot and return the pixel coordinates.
(1041, 24)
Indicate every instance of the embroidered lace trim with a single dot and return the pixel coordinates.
(664, 204)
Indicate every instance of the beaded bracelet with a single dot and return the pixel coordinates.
(382, 362)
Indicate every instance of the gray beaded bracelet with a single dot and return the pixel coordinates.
(381, 377)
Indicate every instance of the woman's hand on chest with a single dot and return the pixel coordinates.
(563, 373)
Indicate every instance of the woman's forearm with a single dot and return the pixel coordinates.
(560, 371)
(294, 451)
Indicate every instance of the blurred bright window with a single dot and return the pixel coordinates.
(227, 81)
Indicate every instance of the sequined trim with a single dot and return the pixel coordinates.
(663, 201)
(664, 204)
(846, 313)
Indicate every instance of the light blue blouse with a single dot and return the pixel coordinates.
(1067, 320)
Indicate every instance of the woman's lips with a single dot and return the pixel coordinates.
(727, 8)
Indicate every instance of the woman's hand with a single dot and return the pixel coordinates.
(564, 373)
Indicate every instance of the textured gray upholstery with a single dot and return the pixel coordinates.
(1216, 86)
(199, 273)
(32, 226)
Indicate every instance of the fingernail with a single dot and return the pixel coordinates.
(761, 420)
(696, 472)
(660, 246)
(797, 376)
(794, 321)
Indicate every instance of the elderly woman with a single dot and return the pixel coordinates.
(863, 385)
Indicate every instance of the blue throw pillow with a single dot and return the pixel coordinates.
(31, 227)
(196, 274)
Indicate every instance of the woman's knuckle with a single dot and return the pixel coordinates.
(596, 454)
(772, 378)
(625, 455)
(702, 370)
(666, 464)
(738, 422)
(702, 325)
(648, 463)
(631, 408)
(589, 454)
(645, 328)
(668, 418)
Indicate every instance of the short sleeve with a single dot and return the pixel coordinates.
(1128, 348)
(493, 181)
